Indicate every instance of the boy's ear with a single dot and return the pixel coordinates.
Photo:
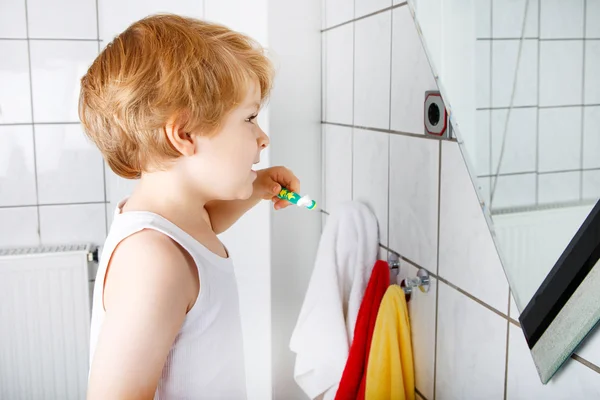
(181, 141)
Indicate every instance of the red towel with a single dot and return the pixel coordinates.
(352, 384)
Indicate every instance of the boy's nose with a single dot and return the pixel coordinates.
(263, 140)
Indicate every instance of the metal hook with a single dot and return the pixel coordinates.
(421, 281)
(393, 261)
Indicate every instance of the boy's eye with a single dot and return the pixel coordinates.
(252, 118)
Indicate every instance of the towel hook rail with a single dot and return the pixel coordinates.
(421, 281)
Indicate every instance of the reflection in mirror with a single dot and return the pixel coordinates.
(519, 79)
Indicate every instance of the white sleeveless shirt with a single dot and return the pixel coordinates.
(206, 360)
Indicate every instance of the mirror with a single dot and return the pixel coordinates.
(519, 78)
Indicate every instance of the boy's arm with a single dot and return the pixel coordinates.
(267, 185)
(148, 292)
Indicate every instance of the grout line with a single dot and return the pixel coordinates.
(507, 344)
(582, 102)
(37, 123)
(35, 169)
(393, 132)
(537, 113)
(389, 138)
(103, 163)
(540, 107)
(49, 39)
(437, 287)
(383, 10)
(353, 98)
(54, 204)
(490, 102)
(585, 362)
(559, 171)
(417, 391)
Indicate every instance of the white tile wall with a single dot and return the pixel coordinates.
(337, 165)
(363, 7)
(591, 137)
(483, 58)
(560, 139)
(559, 187)
(19, 227)
(504, 63)
(56, 67)
(17, 169)
(414, 198)
(62, 19)
(370, 175)
(561, 68)
(13, 23)
(592, 14)
(467, 254)
(411, 75)
(372, 71)
(592, 66)
(559, 21)
(339, 61)
(69, 167)
(508, 18)
(15, 98)
(470, 360)
(337, 12)
(483, 147)
(519, 142)
(75, 223)
(471, 348)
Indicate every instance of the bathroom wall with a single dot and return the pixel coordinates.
(55, 188)
(466, 339)
(552, 146)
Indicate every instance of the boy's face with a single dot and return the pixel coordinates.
(224, 161)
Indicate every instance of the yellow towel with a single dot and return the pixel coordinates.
(390, 371)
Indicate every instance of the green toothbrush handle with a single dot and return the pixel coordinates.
(295, 198)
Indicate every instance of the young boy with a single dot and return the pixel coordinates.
(173, 101)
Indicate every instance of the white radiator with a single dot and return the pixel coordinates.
(45, 322)
(531, 241)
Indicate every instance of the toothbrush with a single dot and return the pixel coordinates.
(295, 198)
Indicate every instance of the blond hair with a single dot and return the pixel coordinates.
(164, 67)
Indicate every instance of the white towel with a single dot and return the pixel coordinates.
(325, 328)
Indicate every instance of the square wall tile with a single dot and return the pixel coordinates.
(483, 19)
(19, 227)
(468, 257)
(411, 74)
(57, 67)
(74, 223)
(558, 187)
(15, 97)
(508, 18)
(560, 139)
(337, 12)
(364, 7)
(370, 175)
(483, 80)
(69, 167)
(560, 20)
(572, 381)
(592, 13)
(591, 137)
(339, 58)
(592, 66)
(561, 69)
(372, 71)
(62, 19)
(504, 63)
(471, 348)
(117, 188)
(591, 185)
(422, 309)
(115, 16)
(13, 23)
(519, 141)
(414, 170)
(17, 171)
(482, 137)
(513, 191)
(337, 166)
